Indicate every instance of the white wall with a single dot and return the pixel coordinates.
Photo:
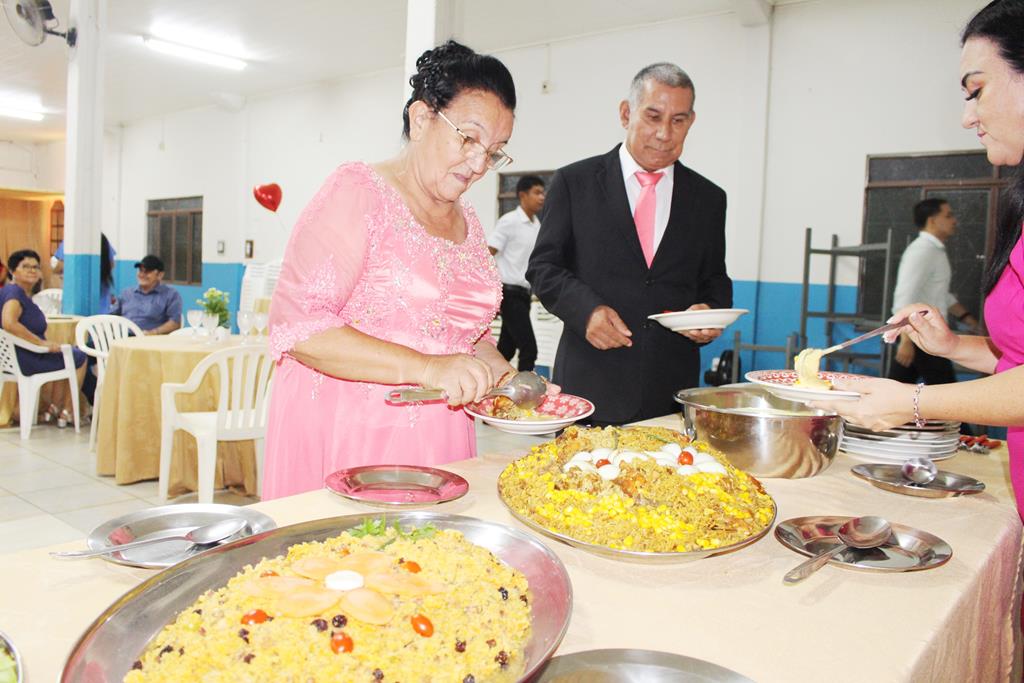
(26, 166)
(847, 79)
(851, 79)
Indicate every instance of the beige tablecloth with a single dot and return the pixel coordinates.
(60, 329)
(128, 437)
(953, 623)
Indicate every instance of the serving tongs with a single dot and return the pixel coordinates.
(526, 389)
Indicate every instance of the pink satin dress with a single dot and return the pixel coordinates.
(1004, 317)
(357, 257)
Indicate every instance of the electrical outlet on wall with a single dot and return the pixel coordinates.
(248, 249)
(545, 87)
(220, 246)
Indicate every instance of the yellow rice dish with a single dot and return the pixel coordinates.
(505, 409)
(373, 604)
(642, 489)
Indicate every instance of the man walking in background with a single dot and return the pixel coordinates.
(924, 276)
(511, 243)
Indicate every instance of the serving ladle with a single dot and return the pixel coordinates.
(919, 470)
(526, 389)
(858, 532)
(201, 535)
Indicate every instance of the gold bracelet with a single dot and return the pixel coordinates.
(918, 420)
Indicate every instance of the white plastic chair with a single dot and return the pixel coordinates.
(29, 385)
(244, 374)
(49, 300)
(94, 335)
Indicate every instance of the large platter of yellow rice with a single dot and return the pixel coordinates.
(644, 494)
(446, 598)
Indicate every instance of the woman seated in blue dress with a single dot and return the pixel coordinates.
(24, 319)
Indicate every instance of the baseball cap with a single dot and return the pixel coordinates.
(150, 262)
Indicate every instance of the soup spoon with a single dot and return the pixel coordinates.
(201, 535)
(858, 532)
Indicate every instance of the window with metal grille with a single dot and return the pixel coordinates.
(175, 231)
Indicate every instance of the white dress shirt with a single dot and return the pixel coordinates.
(513, 237)
(924, 275)
(662, 192)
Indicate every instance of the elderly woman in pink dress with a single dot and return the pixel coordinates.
(387, 280)
(992, 78)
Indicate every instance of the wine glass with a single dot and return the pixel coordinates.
(195, 319)
(210, 323)
(259, 321)
(245, 320)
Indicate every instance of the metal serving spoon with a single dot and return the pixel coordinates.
(526, 389)
(858, 532)
(201, 535)
(919, 470)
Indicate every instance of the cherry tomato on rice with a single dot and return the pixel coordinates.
(602, 462)
(422, 626)
(685, 458)
(411, 567)
(341, 642)
(256, 616)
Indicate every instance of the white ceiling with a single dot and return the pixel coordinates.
(287, 44)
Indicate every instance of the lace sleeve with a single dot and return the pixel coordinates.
(323, 261)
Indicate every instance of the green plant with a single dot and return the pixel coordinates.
(215, 302)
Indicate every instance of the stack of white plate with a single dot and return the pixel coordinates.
(937, 440)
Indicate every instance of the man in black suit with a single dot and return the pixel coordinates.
(602, 267)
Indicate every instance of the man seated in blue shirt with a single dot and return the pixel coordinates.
(153, 306)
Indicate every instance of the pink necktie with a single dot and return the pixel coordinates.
(644, 214)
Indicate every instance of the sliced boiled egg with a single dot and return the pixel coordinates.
(687, 470)
(711, 467)
(344, 580)
(608, 472)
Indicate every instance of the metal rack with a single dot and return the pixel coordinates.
(830, 315)
(789, 351)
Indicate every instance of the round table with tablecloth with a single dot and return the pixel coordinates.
(128, 438)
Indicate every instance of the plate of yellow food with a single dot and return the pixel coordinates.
(787, 384)
(411, 596)
(555, 412)
(644, 494)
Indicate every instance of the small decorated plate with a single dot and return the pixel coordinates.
(555, 413)
(708, 318)
(782, 383)
(397, 485)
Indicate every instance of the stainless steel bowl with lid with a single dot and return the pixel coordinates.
(759, 432)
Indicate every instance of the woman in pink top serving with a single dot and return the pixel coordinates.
(387, 280)
(992, 77)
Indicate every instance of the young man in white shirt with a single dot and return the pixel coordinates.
(924, 276)
(511, 243)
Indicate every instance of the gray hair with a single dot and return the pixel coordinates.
(665, 73)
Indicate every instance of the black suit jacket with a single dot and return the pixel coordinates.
(588, 254)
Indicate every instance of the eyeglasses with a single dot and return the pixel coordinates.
(26, 266)
(471, 146)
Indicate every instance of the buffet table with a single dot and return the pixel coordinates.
(128, 436)
(957, 622)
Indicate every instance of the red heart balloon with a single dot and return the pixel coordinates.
(269, 196)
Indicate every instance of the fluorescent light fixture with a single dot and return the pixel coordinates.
(194, 54)
(11, 113)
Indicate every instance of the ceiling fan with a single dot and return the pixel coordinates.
(32, 20)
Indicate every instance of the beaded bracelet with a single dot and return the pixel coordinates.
(918, 420)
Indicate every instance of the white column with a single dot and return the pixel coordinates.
(428, 23)
(84, 163)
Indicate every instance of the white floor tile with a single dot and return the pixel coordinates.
(87, 519)
(35, 532)
(77, 496)
(140, 489)
(13, 507)
(54, 476)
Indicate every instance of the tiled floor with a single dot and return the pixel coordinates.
(50, 492)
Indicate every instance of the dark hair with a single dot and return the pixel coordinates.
(106, 262)
(528, 182)
(1002, 23)
(445, 71)
(926, 208)
(16, 258)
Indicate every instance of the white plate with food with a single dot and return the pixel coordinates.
(554, 413)
(782, 383)
(703, 319)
